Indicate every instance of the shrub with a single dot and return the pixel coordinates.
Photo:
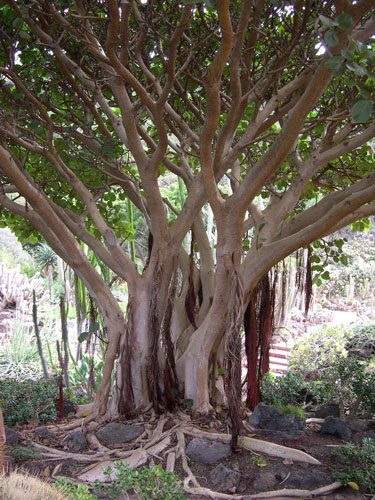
(73, 492)
(21, 453)
(359, 464)
(25, 400)
(319, 349)
(348, 380)
(281, 391)
(362, 334)
(148, 483)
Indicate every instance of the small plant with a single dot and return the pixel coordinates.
(293, 410)
(148, 483)
(73, 492)
(282, 391)
(22, 453)
(348, 381)
(26, 400)
(320, 349)
(259, 461)
(79, 375)
(359, 464)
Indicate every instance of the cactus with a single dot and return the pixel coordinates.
(16, 289)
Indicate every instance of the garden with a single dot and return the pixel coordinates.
(312, 435)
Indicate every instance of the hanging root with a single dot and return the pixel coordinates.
(232, 356)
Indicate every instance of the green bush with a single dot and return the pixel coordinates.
(73, 492)
(348, 380)
(362, 333)
(26, 400)
(282, 391)
(148, 483)
(359, 464)
(319, 349)
(21, 453)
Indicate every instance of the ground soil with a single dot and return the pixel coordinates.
(313, 443)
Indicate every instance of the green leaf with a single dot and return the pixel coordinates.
(331, 39)
(356, 68)
(361, 110)
(94, 327)
(329, 23)
(344, 20)
(261, 226)
(335, 63)
(83, 337)
(188, 402)
(24, 34)
(325, 275)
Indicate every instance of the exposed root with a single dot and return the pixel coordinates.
(171, 459)
(157, 443)
(251, 444)
(295, 493)
(182, 454)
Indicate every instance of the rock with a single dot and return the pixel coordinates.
(266, 417)
(328, 411)
(44, 433)
(68, 409)
(224, 479)
(114, 433)
(207, 452)
(337, 428)
(76, 441)
(265, 481)
(12, 437)
(309, 480)
(356, 424)
(358, 438)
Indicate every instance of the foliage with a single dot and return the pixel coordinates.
(319, 349)
(21, 453)
(348, 380)
(26, 400)
(79, 374)
(19, 358)
(359, 464)
(362, 333)
(260, 461)
(284, 391)
(292, 410)
(72, 491)
(149, 483)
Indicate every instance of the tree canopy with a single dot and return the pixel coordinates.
(260, 114)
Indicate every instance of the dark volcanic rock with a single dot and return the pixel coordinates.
(328, 411)
(76, 441)
(272, 419)
(309, 480)
(114, 433)
(337, 428)
(224, 479)
(12, 437)
(208, 452)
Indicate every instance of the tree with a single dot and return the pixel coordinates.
(261, 111)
